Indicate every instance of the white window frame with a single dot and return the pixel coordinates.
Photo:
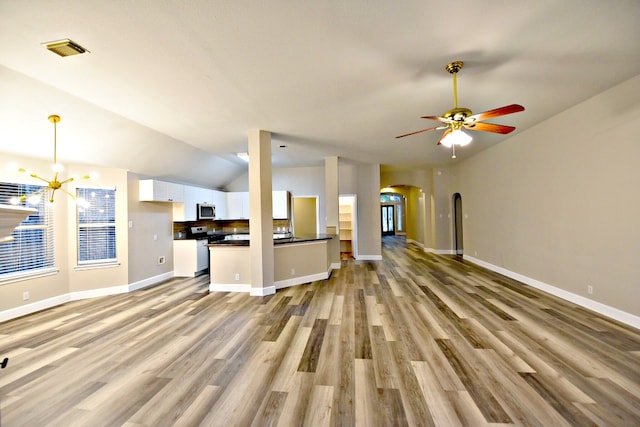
(110, 222)
(23, 245)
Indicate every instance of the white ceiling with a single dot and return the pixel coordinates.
(171, 87)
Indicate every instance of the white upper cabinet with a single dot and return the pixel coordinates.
(198, 195)
(152, 190)
(192, 197)
(219, 199)
(281, 204)
(238, 205)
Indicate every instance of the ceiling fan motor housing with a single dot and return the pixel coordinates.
(457, 114)
(454, 67)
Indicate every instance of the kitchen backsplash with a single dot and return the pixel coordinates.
(237, 226)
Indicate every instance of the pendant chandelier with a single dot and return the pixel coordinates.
(54, 184)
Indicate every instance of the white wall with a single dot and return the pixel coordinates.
(559, 202)
(367, 178)
(150, 236)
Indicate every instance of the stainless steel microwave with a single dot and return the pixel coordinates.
(206, 211)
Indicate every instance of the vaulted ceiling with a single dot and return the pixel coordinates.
(170, 88)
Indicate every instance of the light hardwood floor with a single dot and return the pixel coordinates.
(415, 339)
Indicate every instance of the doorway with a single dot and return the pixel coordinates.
(348, 227)
(305, 215)
(457, 224)
(387, 215)
(392, 213)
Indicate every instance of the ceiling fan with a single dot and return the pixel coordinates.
(456, 119)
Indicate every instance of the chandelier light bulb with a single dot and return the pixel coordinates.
(57, 167)
(34, 199)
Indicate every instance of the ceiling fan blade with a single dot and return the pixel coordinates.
(502, 111)
(419, 131)
(444, 134)
(489, 127)
(438, 118)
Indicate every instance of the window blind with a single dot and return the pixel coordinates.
(32, 249)
(96, 225)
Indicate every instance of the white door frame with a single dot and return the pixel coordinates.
(352, 199)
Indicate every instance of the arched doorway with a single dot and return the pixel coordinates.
(457, 224)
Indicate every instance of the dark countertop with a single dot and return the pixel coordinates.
(212, 236)
(294, 239)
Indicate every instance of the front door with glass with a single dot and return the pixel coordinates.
(388, 220)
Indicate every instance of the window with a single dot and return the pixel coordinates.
(31, 250)
(390, 198)
(96, 226)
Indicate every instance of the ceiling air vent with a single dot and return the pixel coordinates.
(65, 47)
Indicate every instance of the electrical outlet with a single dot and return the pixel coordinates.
(293, 271)
(25, 296)
(155, 237)
(590, 290)
(237, 276)
(161, 260)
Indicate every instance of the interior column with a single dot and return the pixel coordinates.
(332, 196)
(261, 214)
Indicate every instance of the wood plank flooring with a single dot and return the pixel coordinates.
(416, 339)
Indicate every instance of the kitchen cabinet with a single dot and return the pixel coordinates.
(281, 201)
(153, 190)
(192, 196)
(219, 199)
(238, 205)
(190, 257)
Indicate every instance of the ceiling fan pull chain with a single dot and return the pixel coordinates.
(453, 148)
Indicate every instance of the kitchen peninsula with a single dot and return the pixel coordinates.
(297, 260)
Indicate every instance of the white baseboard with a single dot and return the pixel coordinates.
(150, 281)
(122, 289)
(438, 251)
(100, 292)
(444, 251)
(369, 258)
(600, 308)
(280, 284)
(335, 266)
(23, 310)
(261, 292)
(229, 287)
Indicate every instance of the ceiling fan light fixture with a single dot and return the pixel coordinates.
(457, 137)
(457, 118)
